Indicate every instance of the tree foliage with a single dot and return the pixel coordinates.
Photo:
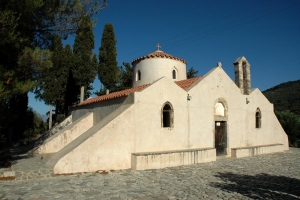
(28, 24)
(285, 96)
(290, 122)
(26, 30)
(191, 73)
(34, 125)
(71, 89)
(108, 70)
(70, 13)
(49, 86)
(43, 18)
(85, 66)
(52, 84)
(286, 100)
(22, 77)
(126, 76)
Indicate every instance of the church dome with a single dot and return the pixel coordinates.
(158, 54)
(151, 67)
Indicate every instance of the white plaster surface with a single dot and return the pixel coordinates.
(154, 68)
(138, 127)
(256, 150)
(108, 148)
(67, 135)
(157, 160)
(241, 131)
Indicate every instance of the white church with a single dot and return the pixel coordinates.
(167, 120)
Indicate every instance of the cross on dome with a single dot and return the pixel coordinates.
(158, 47)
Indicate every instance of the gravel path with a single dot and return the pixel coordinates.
(272, 176)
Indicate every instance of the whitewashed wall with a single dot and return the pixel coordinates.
(138, 128)
(155, 68)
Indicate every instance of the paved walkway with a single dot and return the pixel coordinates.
(272, 176)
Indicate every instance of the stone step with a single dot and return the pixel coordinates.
(240, 152)
(162, 159)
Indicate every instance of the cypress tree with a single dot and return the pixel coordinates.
(72, 90)
(108, 69)
(60, 74)
(85, 69)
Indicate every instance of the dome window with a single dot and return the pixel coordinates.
(174, 74)
(138, 75)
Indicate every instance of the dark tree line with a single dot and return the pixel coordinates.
(27, 48)
(60, 85)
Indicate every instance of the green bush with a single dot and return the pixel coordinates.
(290, 122)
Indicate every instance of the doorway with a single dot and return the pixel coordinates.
(220, 138)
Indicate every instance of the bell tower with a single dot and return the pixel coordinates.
(242, 75)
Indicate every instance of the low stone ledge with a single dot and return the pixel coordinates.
(240, 152)
(7, 175)
(162, 159)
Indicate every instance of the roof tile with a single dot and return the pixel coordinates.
(158, 54)
(184, 84)
(112, 95)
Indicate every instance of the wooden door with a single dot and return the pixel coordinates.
(220, 138)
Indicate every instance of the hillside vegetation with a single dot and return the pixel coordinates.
(286, 100)
(285, 96)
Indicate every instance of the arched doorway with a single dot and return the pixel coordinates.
(220, 120)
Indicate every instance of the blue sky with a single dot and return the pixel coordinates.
(203, 33)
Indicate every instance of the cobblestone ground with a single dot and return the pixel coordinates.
(272, 176)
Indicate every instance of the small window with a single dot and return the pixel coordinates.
(219, 109)
(167, 115)
(258, 118)
(138, 75)
(174, 74)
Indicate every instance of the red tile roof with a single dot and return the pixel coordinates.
(184, 84)
(158, 54)
(112, 95)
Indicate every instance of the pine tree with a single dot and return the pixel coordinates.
(108, 69)
(191, 73)
(85, 69)
(52, 84)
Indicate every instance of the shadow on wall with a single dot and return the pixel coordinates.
(261, 186)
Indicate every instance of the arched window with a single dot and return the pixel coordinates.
(257, 118)
(219, 109)
(174, 74)
(138, 75)
(167, 115)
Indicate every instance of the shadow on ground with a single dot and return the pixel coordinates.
(261, 186)
(20, 152)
